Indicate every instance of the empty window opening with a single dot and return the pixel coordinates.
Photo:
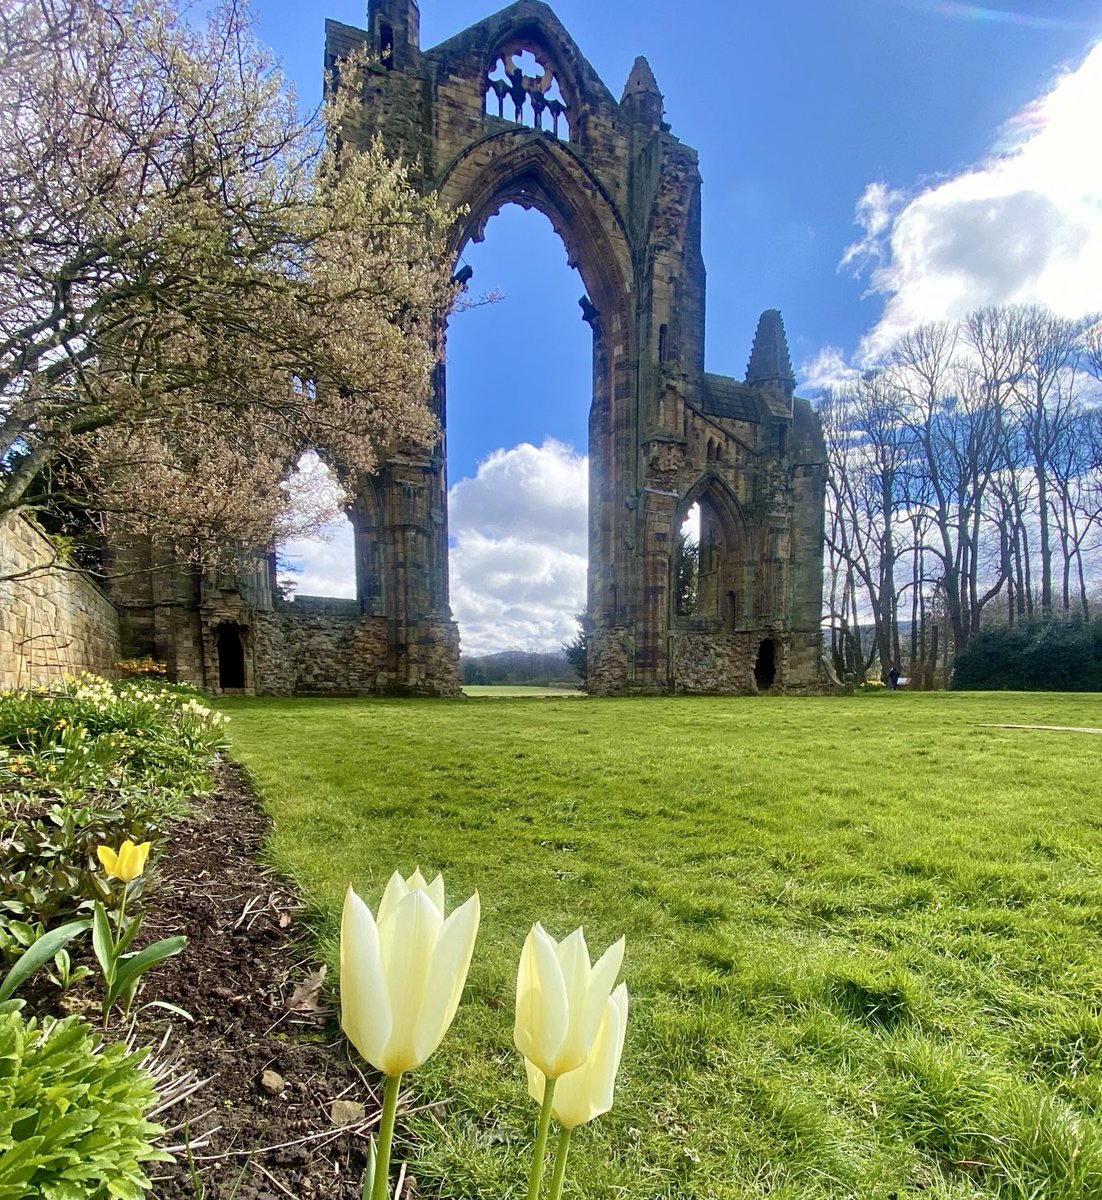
(386, 46)
(520, 88)
(765, 669)
(231, 657)
(316, 556)
(687, 570)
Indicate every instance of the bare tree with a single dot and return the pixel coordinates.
(196, 283)
(1043, 408)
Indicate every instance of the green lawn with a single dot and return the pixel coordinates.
(510, 691)
(863, 934)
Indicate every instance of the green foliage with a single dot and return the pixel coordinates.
(39, 952)
(49, 873)
(862, 938)
(1034, 656)
(123, 968)
(87, 734)
(688, 573)
(83, 764)
(71, 1115)
(577, 650)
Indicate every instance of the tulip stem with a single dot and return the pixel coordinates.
(560, 1164)
(386, 1134)
(539, 1151)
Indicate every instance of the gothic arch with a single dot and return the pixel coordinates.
(722, 556)
(519, 166)
(624, 195)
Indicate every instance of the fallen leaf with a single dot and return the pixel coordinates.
(346, 1112)
(306, 998)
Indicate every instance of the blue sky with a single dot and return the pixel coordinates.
(866, 164)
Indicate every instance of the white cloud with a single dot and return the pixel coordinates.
(519, 548)
(1023, 226)
(826, 369)
(321, 568)
(519, 545)
(323, 565)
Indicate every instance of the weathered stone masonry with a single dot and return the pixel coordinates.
(51, 621)
(624, 194)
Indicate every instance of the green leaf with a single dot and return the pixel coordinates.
(369, 1171)
(38, 954)
(131, 932)
(132, 968)
(103, 943)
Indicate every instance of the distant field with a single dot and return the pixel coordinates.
(863, 934)
(506, 690)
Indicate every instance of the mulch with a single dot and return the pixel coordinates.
(285, 1109)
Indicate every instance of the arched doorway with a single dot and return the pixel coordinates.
(765, 665)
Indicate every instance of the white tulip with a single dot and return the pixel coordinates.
(402, 975)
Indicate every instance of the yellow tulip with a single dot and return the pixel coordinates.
(127, 863)
(402, 975)
(561, 999)
(586, 1092)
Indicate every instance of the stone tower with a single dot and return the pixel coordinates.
(510, 111)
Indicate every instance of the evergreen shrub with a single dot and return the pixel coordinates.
(1058, 655)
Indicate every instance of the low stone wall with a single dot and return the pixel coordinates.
(306, 651)
(52, 621)
(327, 647)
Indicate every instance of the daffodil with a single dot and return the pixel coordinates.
(127, 863)
(402, 975)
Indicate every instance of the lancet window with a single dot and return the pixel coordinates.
(521, 88)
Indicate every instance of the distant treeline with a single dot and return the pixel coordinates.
(520, 668)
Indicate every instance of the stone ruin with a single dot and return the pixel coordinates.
(665, 435)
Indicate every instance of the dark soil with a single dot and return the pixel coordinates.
(262, 1126)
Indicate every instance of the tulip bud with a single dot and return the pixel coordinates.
(125, 864)
(585, 1093)
(561, 999)
(402, 976)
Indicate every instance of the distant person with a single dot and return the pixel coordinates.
(893, 677)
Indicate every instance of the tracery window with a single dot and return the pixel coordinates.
(520, 88)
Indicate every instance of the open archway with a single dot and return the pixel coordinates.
(517, 440)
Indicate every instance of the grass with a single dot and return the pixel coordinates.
(509, 690)
(863, 934)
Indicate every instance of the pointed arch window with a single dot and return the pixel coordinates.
(709, 561)
(521, 86)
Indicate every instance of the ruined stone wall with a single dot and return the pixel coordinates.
(716, 662)
(319, 646)
(52, 621)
